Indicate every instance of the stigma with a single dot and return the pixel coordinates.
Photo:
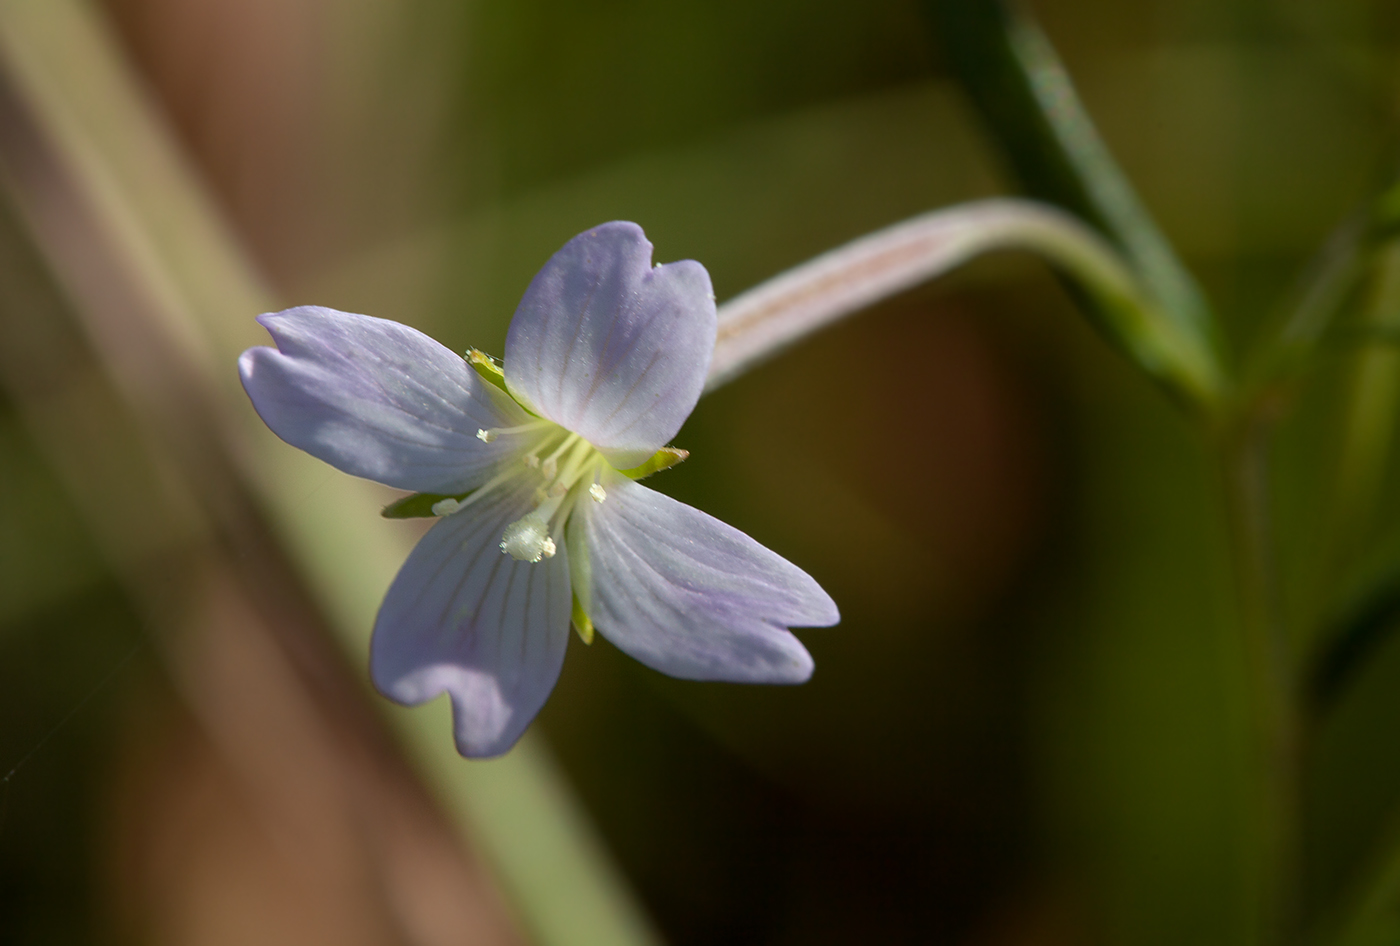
(528, 539)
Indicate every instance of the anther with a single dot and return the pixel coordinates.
(532, 461)
(550, 468)
(446, 507)
(485, 436)
(597, 492)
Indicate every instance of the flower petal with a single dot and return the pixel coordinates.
(377, 399)
(465, 619)
(610, 347)
(688, 595)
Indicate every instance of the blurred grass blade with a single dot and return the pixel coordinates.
(1366, 431)
(1323, 291)
(1326, 290)
(1352, 641)
(112, 202)
(1372, 916)
(762, 321)
(1368, 421)
(1017, 83)
(1345, 648)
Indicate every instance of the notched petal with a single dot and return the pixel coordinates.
(462, 618)
(610, 347)
(690, 596)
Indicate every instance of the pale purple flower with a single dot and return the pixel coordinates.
(532, 474)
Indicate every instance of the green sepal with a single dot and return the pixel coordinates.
(662, 459)
(486, 366)
(582, 622)
(417, 505)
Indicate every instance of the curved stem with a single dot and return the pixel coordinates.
(762, 321)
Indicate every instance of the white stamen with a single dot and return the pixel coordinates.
(528, 540)
(532, 461)
(597, 492)
(487, 489)
(446, 507)
(490, 434)
(558, 489)
(550, 465)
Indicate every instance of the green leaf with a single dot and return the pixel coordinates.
(1015, 80)
(417, 505)
(662, 459)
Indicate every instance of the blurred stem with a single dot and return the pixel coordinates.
(1017, 83)
(1022, 91)
(1272, 691)
(762, 321)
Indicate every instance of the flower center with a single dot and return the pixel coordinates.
(564, 467)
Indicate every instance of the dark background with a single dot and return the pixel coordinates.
(1026, 728)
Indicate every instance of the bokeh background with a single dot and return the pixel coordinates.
(1027, 728)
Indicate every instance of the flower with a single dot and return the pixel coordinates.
(531, 469)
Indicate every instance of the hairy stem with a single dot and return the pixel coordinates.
(773, 315)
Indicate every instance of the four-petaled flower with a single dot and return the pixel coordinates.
(532, 471)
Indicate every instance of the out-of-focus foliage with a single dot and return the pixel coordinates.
(70, 657)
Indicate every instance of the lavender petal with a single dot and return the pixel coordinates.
(610, 347)
(464, 619)
(377, 399)
(686, 594)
